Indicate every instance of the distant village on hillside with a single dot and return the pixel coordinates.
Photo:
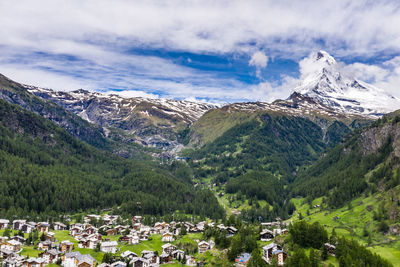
(62, 244)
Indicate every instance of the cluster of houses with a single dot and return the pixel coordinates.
(87, 236)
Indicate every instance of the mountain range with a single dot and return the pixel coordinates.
(324, 95)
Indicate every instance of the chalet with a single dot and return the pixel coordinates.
(165, 258)
(231, 230)
(280, 256)
(3, 239)
(19, 239)
(109, 247)
(152, 257)
(58, 226)
(76, 259)
(4, 223)
(178, 254)
(139, 262)
(28, 227)
(45, 245)
(91, 217)
(267, 235)
(14, 260)
(128, 255)
(33, 262)
(136, 219)
(118, 264)
(67, 246)
(242, 259)
(137, 226)
(130, 239)
(11, 245)
(167, 237)
(5, 253)
(43, 227)
(90, 230)
(269, 252)
(50, 236)
(203, 246)
(75, 230)
(111, 232)
(50, 256)
(331, 248)
(190, 261)
(17, 224)
(168, 248)
(89, 243)
(121, 229)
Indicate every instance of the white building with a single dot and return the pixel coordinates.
(109, 246)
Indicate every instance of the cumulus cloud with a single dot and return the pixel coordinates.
(258, 60)
(74, 44)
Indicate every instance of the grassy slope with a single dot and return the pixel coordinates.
(351, 224)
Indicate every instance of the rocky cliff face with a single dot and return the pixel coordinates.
(150, 122)
(16, 93)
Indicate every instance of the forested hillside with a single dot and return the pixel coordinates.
(366, 161)
(44, 170)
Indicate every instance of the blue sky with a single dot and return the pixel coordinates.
(214, 51)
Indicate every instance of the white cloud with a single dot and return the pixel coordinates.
(259, 60)
(99, 32)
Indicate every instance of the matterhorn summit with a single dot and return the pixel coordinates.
(324, 79)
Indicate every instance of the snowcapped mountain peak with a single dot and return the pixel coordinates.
(325, 57)
(326, 80)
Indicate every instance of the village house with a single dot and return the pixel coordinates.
(50, 256)
(75, 230)
(331, 248)
(33, 262)
(136, 219)
(3, 239)
(266, 235)
(76, 259)
(15, 260)
(274, 250)
(17, 224)
(111, 232)
(11, 245)
(50, 236)
(28, 227)
(139, 262)
(168, 248)
(130, 239)
(19, 239)
(4, 223)
(152, 257)
(165, 258)
(167, 237)
(231, 230)
(89, 243)
(67, 246)
(190, 261)
(178, 254)
(45, 245)
(109, 246)
(43, 227)
(203, 246)
(5, 253)
(128, 255)
(58, 226)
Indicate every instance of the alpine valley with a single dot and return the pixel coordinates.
(329, 153)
